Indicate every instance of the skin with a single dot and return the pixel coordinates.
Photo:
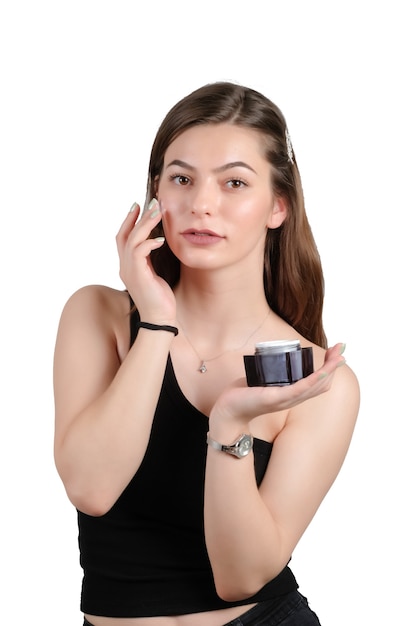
(103, 419)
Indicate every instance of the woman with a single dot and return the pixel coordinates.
(150, 383)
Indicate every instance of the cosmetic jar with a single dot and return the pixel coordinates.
(278, 363)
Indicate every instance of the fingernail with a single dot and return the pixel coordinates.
(152, 203)
(322, 375)
(133, 207)
(341, 363)
(342, 348)
(159, 239)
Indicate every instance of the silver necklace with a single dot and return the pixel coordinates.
(203, 367)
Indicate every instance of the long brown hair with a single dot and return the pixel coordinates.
(293, 276)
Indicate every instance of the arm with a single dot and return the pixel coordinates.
(252, 533)
(105, 407)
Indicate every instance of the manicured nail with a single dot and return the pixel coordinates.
(342, 348)
(160, 239)
(152, 203)
(133, 207)
(341, 363)
(323, 375)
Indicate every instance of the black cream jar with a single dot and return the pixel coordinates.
(278, 363)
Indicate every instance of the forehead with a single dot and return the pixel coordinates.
(217, 144)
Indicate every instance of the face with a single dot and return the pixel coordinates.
(216, 196)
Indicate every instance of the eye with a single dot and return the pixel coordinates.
(236, 183)
(180, 179)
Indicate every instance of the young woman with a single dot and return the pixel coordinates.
(150, 383)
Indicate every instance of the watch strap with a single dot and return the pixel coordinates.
(215, 444)
(239, 448)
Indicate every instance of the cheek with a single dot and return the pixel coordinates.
(169, 201)
(171, 212)
(252, 213)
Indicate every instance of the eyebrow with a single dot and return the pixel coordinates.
(221, 168)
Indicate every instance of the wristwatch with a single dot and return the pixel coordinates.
(239, 448)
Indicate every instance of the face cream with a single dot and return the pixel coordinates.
(278, 363)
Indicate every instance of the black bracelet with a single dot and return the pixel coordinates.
(170, 329)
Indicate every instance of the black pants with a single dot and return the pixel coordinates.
(289, 610)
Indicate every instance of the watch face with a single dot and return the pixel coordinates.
(245, 445)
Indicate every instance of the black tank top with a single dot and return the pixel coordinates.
(147, 555)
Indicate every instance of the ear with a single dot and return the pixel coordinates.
(278, 213)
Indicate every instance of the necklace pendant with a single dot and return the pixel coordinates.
(202, 368)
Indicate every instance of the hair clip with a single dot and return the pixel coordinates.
(289, 147)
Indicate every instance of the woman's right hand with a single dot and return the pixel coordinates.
(152, 295)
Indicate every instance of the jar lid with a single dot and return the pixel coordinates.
(277, 347)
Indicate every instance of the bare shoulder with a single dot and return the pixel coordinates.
(99, 299)
(99, 308)
(345, 385)
(343, 395)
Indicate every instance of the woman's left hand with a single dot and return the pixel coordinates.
(240, 403)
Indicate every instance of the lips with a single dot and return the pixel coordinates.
(201, 237)
(192, 231)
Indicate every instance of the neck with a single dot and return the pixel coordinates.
(218, 313)
(205, 299)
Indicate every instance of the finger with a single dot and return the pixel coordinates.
(151, 244)
(316, 383)
(133, 232)
(335, 351)
(140, 256)
(334, 357)
(128, 223)
(152, 206)
(321, 380)
(146, 224)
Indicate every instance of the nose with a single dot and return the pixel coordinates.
(204, 199)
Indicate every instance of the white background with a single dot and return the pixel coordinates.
(84, 86)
